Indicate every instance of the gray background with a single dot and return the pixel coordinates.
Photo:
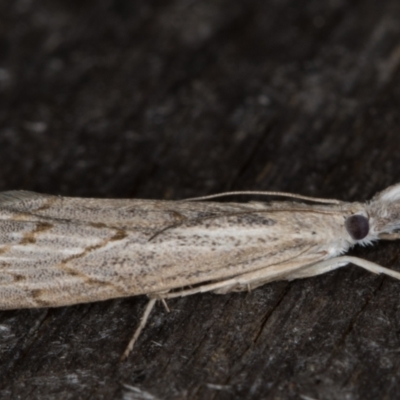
(171, 99)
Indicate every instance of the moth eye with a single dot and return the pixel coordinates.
(357, 226)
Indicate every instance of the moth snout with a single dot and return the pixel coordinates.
(357, 226)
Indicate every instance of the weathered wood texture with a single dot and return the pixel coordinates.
(176, 98)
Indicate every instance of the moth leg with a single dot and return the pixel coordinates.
(143, 321)
(334, 263)
(237, 283)
(292, 271)
(199, 289)
(165, 305)
(317, 269)
(261, 277)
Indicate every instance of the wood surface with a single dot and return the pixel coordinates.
(172, 99)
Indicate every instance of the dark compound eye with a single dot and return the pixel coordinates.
(357, 226)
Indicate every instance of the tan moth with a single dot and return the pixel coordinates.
(57, 251)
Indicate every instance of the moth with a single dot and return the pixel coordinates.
(57, 251)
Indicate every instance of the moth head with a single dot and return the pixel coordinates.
(384, 214)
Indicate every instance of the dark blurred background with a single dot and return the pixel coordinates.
(171, 99)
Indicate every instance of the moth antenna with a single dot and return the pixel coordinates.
(263, 193)
(143, 321)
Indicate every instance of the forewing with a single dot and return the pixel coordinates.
(57, 251)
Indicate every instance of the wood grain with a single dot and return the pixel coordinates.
(174, 99)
